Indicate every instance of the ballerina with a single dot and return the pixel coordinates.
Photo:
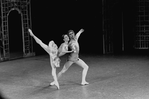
(52, 50)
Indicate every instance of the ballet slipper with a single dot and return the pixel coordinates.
(52, 83)
(84, 83)
(56, 84)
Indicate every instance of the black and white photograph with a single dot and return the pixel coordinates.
(74, 49)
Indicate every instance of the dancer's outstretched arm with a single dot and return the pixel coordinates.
(63, 50)
(44, 46)
(79, 33)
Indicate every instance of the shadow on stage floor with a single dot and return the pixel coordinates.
(110, 77)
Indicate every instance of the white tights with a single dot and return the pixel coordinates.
(81, 63)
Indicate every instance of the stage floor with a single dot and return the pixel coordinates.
(110, 77)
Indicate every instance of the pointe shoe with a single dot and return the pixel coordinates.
(57, 85)
(84, 83)
(52, 83)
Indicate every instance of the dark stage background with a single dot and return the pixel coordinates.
(110, 25)
(120, 22)
(52, 19)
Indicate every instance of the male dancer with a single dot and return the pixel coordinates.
(74, 57)
(52, 50)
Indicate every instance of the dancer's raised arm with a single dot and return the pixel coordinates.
(44, 46)
(79, 33)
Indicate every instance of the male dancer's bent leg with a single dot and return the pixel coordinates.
(65, 68)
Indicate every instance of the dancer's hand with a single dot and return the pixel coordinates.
(74, 51)
(82, 30)
(30, 31)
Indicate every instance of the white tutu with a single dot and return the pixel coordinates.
(56, 62)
